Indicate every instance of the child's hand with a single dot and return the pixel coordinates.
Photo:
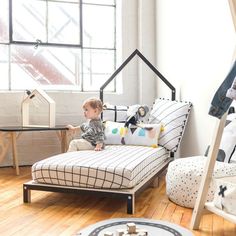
(73, 128)
(98, 147)
(70, 127)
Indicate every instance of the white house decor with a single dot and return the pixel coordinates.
(46, 101)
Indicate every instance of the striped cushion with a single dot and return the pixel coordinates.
(173, 115)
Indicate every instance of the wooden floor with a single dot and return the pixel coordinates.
(65, 214)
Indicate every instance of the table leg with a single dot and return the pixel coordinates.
(4, 145)
(14, 152)
(63, 141)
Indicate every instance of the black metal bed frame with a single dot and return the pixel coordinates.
(128, 194)
(148, 63)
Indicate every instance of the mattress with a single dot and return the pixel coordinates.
(116, 167)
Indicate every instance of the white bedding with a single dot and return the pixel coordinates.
(116, 167)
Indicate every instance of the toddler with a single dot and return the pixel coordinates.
(92, 131)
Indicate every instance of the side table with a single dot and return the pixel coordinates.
(9, 135)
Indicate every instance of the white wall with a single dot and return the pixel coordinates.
(191, 43)
(195, 44)
(147, 46)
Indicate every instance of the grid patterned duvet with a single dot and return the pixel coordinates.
(113, 168)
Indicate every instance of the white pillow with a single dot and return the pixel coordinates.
(173, 115)
(228, 140)
(114, 131)
(233, 158)
(226, 151)
(133, 135)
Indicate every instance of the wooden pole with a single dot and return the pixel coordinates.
(207, 174)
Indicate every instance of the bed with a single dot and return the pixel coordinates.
(117, 171)
(120, 170)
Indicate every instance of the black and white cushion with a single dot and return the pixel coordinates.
(114, 113)
(173, 115)
(114, 132)
(228, 140)
(116, 167)
(233, 157)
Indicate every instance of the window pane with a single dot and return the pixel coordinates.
(4, 22)
(98, 26)
(106, 2)
(28, 20)
(4, 67)
(49, 21)
(58, 21)
(48, 67)
(64, 23)
(98, 67)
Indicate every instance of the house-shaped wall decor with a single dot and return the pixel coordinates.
(47, 102)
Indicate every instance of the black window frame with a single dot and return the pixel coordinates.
(63, 45)
(38, 41)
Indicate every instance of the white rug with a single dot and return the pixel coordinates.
(154, 227)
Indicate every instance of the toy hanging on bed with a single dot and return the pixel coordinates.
(135, 116)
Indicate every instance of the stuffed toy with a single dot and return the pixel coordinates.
(136, 116)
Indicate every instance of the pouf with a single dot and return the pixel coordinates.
(184, 175)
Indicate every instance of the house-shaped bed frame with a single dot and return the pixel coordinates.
(128, 194)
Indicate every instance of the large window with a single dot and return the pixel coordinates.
(57, 44)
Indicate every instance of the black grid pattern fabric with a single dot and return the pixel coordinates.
(114, 113)
(116, 167)
(173, 116)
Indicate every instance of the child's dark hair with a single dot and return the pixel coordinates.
(94, 103)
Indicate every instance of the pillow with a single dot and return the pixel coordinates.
(147, 136)
(233, 157)
(114, 113)
(227, 143)
(173, 115)
(114, 131)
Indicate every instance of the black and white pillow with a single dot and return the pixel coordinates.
(114, 113)
(233, 157)
(114, 132)
(228, 140)
(173, 116)
(226, 151)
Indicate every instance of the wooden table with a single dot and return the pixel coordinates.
(9, 135)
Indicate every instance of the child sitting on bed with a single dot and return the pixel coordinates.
(92, 131)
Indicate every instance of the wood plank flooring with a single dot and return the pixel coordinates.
(65, 214)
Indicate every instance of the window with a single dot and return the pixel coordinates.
(57, 44)
(46, 22)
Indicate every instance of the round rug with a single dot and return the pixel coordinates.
(153, 227)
